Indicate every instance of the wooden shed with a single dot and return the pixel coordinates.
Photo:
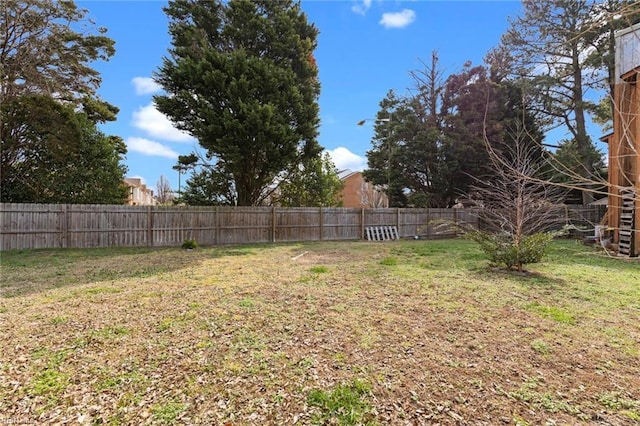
(624, 144)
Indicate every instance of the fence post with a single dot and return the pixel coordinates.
(65, 226)
(321, 223)
(191, 237)
(362, 223)
(216, 226)
(273, 224)
(149, 226)
(455, 218)
(428, 223)
(398, 220)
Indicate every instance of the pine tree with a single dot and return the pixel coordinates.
(241, 78)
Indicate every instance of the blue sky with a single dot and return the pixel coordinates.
(365, 48)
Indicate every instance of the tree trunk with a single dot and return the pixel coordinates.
(582, 138)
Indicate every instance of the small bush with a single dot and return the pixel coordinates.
(189, 244)
(503, 249)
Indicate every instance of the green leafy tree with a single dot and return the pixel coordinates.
(34, 149)
(95, 170)
(241, 78)
(384, 159)
(71, 162)
(315, 184)
(208, 186)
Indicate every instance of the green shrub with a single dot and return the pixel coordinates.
(503, 249)
(189, 244)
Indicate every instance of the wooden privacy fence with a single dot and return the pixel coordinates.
(30, 226)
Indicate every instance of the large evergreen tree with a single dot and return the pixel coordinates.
(423, 158)
(51, 149)
(565, 165)
(241, 78)
(385, 167)
(208, 185)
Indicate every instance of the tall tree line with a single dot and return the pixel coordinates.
(432, 146)
(541, 76)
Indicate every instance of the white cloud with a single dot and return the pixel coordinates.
(345, 159)
(361, 9)
(157, 125)
(398, 19)
(145, 85)
(148, 147)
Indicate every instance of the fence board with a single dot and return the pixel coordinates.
(297, 224)
(240, 225)
(341, 224)
(29, 226)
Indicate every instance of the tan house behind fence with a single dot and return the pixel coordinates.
(357, 192)
(139, 194)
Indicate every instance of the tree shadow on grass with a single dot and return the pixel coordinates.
(26, 272)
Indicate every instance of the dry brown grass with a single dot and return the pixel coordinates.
(243, 335)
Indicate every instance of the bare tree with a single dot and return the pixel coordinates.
(372, 196)
(519, 200)
(519, 208)
(164, 193)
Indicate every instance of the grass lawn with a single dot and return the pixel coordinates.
(409, 332)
